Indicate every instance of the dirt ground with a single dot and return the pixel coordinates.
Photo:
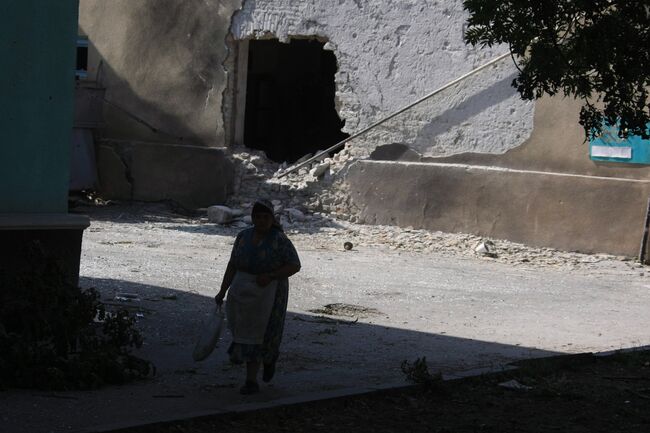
(574, 395)
(354, 315)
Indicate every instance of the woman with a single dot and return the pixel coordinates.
(262, 260)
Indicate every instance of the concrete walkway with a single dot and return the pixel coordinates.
(461, 314)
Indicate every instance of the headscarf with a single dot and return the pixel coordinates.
(262, 205)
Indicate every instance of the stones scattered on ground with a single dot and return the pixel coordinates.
(329, 218)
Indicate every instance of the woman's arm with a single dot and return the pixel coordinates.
(228, 276)
(284, 271)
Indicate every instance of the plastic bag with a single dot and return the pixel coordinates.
(210, 335)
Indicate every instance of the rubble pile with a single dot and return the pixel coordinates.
(315, 191)
(313, 204)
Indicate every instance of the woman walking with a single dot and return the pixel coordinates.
(257, 279)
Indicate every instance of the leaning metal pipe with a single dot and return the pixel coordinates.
(387, 118)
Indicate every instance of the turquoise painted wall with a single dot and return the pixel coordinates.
(37, 62)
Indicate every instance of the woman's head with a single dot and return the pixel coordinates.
(262, 215)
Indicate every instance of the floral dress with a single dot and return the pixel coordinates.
(273, 252)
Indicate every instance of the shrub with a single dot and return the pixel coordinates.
(57, 336)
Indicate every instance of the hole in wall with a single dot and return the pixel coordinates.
(290, 94)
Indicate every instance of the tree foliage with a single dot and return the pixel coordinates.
(595, 50)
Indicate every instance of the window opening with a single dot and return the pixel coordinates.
(81, 70)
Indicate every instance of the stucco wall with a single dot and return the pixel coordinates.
(557, 144)
(391, 53)
(161, 62)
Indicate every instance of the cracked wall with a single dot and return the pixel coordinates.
(161, 62)
(391, 53)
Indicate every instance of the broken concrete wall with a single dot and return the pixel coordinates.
(190, 175)
(161, 64)
(391, 53)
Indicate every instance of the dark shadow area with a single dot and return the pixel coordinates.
(318, 353)
(290, 108)
(395, 152)
(168, 213)
(317, 342)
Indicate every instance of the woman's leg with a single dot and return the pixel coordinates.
(252, 367)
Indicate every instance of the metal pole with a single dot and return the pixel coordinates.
(387, 118)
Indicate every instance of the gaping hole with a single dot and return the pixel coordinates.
(290, 90)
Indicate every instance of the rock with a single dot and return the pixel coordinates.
(247, 219)
(320, 169)
(295, 215)
(220, 214)
(515, 385)
(485, 248)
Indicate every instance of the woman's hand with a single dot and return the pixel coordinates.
(264, 280)
(219, 298)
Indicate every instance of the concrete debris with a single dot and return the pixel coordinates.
(485, 248)
(126, 297)
(328, 210)
(319, 170)
(295, 215)
(221, 214)
(515, 385)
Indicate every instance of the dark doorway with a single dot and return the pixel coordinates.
(290, 99)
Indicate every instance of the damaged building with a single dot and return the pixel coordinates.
(192, 92)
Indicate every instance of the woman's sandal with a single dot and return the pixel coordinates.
(249, 388)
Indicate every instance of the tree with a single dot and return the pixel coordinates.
(595, 50)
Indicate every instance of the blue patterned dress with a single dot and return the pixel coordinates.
(273, 252)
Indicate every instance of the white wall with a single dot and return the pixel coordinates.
(392, 52)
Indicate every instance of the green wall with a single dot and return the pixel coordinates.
(37, 60)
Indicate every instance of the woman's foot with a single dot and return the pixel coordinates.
(269, 371)
(249, 388)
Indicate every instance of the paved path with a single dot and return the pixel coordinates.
(460, 313)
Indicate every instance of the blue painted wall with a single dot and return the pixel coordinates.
(37, 62)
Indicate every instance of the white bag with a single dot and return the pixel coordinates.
(210, 335)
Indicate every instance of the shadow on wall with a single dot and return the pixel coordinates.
(163, 66)
(129, 117)
(468, 108)
(145, 153)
